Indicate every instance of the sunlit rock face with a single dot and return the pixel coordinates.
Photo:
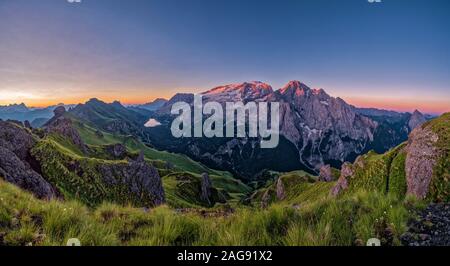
(322, 127)
(319, 128)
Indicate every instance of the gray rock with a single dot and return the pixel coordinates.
(16, 139)
(27, 124)
(15, 145)
(342, 183)
(139, 177)
(281, 191)
(64, 127)
(325, 174)
(118, 151)
(206, 187)
(311, 116)
(421, 155)
(417, 119)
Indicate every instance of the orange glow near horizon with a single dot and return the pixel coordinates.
(425, 106)
(107, 99)
(133, 96)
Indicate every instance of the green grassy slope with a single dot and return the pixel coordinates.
(347, 220)
(183, 190)
(223, 181)
(80, 177)
(386, 172)
(77, 176)
(181, 162)
(381, 172)
(300, 188)
(440, 183)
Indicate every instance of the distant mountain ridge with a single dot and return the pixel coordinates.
(36, 116)
(154, 105)
(13, 108)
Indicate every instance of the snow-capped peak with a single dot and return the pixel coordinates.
(238, 92)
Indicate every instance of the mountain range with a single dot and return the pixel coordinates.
(316, 129)
(35, 116)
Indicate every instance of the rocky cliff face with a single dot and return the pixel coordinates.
(323, 128)
(64, 127)
(417, 119)
(141, 181)
(16, 161)
(316, 129)
(427, 164)
(420, 161)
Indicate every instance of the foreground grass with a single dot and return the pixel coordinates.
(349, 220)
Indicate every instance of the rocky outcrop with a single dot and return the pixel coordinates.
(139, 179)
(206, 187)
(421, 155)
(342, 183)
(27, 124)
(63, 126)
(117, 151)
(22, 175)
(325, 174)
(265, 200)
(281, 190)
(15, 158)
(59, 111)
(16, 139)
(416, 119)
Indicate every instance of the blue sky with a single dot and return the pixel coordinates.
(393, 54)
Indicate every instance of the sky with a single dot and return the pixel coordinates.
(392, 55)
